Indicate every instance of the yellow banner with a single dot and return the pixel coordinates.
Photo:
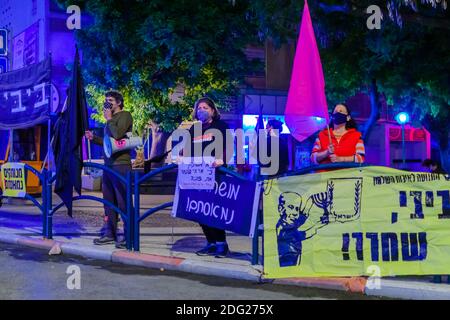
(373, 221)
(13, 180)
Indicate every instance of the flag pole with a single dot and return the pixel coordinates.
(11, 146)
(88, 171)
(49, 122)
(329, 134)
(89, 149)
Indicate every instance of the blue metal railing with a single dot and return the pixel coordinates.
(131, 216)
(328, 166)
(137, 219)
(42, 177)
(125, 216)
(139, 180)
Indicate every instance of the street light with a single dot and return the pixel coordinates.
(402, 118)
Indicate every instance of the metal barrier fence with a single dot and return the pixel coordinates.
(132, 217)
(125, 216)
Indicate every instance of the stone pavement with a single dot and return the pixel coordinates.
(168, 243)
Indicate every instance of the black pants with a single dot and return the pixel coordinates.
(115, 192)
(213, 235)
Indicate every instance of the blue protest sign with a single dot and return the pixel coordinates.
(25, 96)
(232, 205)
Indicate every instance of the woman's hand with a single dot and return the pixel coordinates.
(107, 113)
(329, 152)
(330, 149)
(89, 135)
(335, 158)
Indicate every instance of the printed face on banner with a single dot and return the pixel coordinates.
(301, 219)
(348, 222)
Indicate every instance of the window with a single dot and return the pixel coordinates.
(24, 145)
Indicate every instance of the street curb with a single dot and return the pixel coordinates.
(389, 288)
(411, 290)
(9, 238)
(139, 259)
(219, 270)
(36, 243)
(354, 284)
(85, 251)
(181, 264)
(146, 260)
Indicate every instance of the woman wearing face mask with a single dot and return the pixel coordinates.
(346, 143)
(205, 111)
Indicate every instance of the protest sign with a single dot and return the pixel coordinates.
(231, 205)
(196, 173)
(349, 222)
(13, 180)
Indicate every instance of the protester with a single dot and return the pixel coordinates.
(346, 143)
(207, 113)
(118, 123)
(283, 156)
(433, 166)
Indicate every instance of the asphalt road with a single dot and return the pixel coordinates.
(33, 274)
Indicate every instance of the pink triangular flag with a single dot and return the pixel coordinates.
(306, 107)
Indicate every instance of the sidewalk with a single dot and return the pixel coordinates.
(168, 243)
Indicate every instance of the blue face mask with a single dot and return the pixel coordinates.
(203, 115)
(339, 118)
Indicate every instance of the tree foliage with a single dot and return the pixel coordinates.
(146, 49)
(408, 61)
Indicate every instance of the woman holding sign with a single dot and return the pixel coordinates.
(205, 111)
(341, 142)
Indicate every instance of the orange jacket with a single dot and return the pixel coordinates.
(349, 145)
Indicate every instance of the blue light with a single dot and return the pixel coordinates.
(402, 118)
(249, 120)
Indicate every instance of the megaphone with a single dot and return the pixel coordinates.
(111, 145)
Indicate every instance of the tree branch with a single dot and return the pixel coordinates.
(354, 9)
(328, 8)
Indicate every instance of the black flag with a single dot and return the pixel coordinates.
(69, 132)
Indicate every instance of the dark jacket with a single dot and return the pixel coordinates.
(283, 155)
(206, 138)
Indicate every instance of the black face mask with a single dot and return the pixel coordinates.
(339, 118)
(107, 105)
